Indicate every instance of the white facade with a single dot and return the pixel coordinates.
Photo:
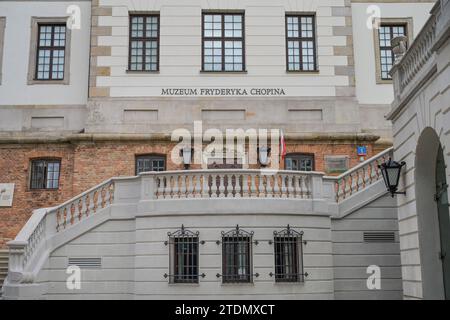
(340, 97)
(14, 89)
(127, 227)
(421, 124)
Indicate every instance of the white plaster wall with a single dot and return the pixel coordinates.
(428, 108)
(180, 63)
(14, 89)
(367, 90)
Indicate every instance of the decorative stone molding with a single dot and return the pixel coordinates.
(347, 50)
(98, 51)
(399, 45)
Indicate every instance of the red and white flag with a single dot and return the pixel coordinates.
(282, 145)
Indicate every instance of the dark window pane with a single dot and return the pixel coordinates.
(300, 43)
(45, 174)
(185, 259)
(223, 42)
(299, 162)
(385, 34)
(144, 43)
(150, 163)
(236, 258)
(50, 52)
(288, 256)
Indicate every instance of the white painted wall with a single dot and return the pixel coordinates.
(14, 89)
(367, 90)
(181, 48)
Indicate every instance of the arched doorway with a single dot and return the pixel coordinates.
(433, 216)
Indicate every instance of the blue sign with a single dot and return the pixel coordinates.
(361, 150)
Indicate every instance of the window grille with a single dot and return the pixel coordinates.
(183, 256)
(237, 256)
(288, 248)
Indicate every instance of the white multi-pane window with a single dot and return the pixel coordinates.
(300, 43)
(144, 43)
(223, 42)
(386, 34)
(50, 52)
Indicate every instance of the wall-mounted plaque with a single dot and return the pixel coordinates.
(6, 194)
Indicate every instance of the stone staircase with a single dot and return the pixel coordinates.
(4, 256)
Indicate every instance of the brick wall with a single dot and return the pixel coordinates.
(86, 164)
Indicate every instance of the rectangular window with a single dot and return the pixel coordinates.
(288, 256)
(45, 174)
(51, 47)
(223, 42)
(144, 43)
(147, 163)
(386, 33)
(184, 255)
(299, 162)
(300, 43)
(236, 256)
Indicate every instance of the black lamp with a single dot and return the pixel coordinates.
(391, 175)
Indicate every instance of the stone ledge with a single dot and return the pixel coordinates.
(69, 137)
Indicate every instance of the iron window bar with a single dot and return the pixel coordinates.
(237, 256)
(288, 254)
(183, 256)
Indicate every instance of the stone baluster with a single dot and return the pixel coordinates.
(221, 186)
(237, 185)
(213, 185)
(72, 213)
(183, 189)
(245, 188)
(253, 189)
(269, 186)
(80, 208)
(197, 187)
(276, 187)
(290, 186)
(175, 186)
(205, 185)
(283, 179)
(261, 189)
(190, 186)
(160, 182)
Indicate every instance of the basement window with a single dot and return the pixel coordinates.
(288, 248)
(237, 256)
(45, 174)
(183, 256)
